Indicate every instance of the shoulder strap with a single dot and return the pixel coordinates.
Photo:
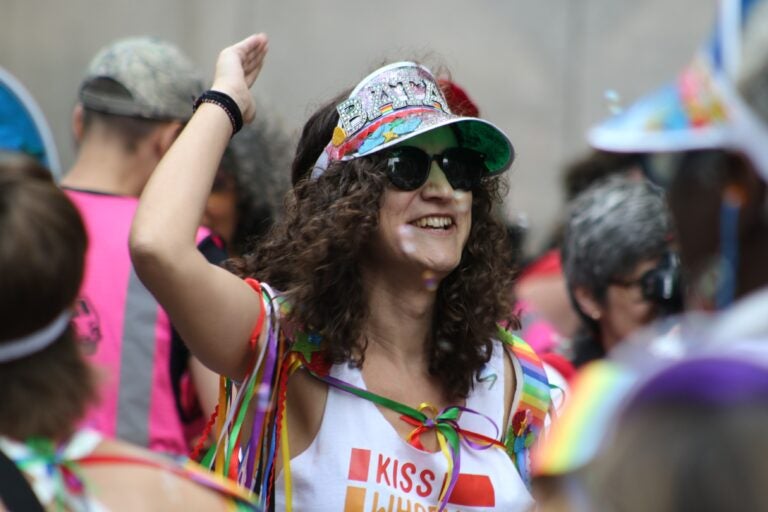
(15, 491)
(527, 420)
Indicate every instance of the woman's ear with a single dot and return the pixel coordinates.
(166, 136)
(587, 303)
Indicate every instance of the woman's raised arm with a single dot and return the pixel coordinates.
(213, 310)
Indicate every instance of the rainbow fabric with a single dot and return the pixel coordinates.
(528, 419)
(596, 395)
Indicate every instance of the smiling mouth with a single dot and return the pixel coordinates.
(438, 222)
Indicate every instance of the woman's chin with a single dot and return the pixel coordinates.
(438, 267)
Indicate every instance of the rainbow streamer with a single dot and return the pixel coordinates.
(597, 394)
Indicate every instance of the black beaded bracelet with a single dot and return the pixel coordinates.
(226, 103)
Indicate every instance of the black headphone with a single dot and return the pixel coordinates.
(662, 285)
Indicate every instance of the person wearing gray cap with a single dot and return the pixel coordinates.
(136, 96)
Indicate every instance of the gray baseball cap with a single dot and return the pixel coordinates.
(141, 77)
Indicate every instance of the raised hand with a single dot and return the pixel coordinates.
(236, 71)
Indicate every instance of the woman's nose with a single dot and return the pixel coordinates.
(437, 183)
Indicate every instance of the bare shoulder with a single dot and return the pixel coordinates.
(156, 485)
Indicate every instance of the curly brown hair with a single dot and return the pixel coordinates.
(313, 256)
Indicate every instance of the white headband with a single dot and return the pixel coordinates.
(18, 348)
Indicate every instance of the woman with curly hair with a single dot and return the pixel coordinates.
(376, 374)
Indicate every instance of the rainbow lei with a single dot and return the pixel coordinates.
(70, 490)
(252, 462)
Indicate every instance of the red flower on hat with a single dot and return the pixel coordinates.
(457, 98)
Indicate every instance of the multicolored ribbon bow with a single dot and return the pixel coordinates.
(67, 477)
(449, 436)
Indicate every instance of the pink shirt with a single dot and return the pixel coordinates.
(125, 333)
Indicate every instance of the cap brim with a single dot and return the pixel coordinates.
(700, 110)
(24, 124)
(474, 133)
(95, 97)
(687, 114)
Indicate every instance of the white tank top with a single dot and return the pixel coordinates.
(359, 463)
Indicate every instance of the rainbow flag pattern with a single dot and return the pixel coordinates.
(528, 419)
(575, 437)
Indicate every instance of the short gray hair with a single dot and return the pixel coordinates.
(612, 227)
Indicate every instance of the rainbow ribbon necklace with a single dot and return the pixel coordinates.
(444, 423)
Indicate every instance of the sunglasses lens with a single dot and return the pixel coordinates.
(463, 167)
(407, 167)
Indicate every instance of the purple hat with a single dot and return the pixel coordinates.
(716, 381)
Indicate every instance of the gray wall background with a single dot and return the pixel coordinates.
(539, 69)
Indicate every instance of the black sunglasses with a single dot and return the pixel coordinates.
(408, 167)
